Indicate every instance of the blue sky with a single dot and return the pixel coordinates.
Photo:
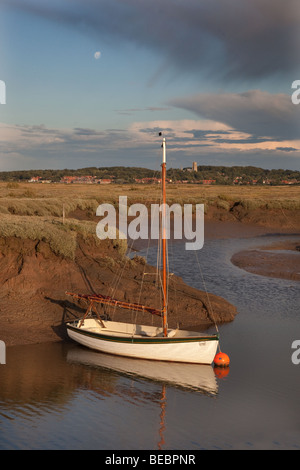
(214, 75)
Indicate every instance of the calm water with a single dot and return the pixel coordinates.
(62, 396)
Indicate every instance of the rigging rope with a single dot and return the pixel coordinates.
(209, 308)
(120, 272)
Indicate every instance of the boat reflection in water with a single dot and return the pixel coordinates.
(195, 377)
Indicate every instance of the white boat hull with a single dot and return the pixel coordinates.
(144, 342)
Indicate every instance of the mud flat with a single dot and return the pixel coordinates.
(276, 260)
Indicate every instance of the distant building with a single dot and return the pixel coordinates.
(195, 167)
(35, 179)
(84, 180)
(207, 181)
(294, 181)
(104, 181)
(67, 179)
(237, 180)
(147, 180)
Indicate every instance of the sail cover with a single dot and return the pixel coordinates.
(105, 299)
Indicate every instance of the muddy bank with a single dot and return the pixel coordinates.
(33, 280)
(215, 229)
(281, 260)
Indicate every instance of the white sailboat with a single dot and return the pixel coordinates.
(142, 341)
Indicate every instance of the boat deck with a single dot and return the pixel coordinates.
(137, 331)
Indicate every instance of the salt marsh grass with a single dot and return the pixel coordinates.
(51, 212)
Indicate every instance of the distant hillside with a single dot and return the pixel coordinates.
(205, 174)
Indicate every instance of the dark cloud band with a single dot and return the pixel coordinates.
(235, 39)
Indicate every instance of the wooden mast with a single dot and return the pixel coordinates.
(164, 241)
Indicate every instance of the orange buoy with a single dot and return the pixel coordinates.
(221, 360)
(221, 372)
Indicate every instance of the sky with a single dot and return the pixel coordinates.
(91, 83)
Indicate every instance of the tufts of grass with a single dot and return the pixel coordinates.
(61, 242)
(223, 205)
(43, 207)
(61, 237)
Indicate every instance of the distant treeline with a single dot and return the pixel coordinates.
(120, 174)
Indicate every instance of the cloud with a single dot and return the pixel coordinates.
(255, 112)
(205, 141)
(233, 39)
(151, 109)
(287, 149)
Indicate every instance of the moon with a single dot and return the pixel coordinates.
(97, 55)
